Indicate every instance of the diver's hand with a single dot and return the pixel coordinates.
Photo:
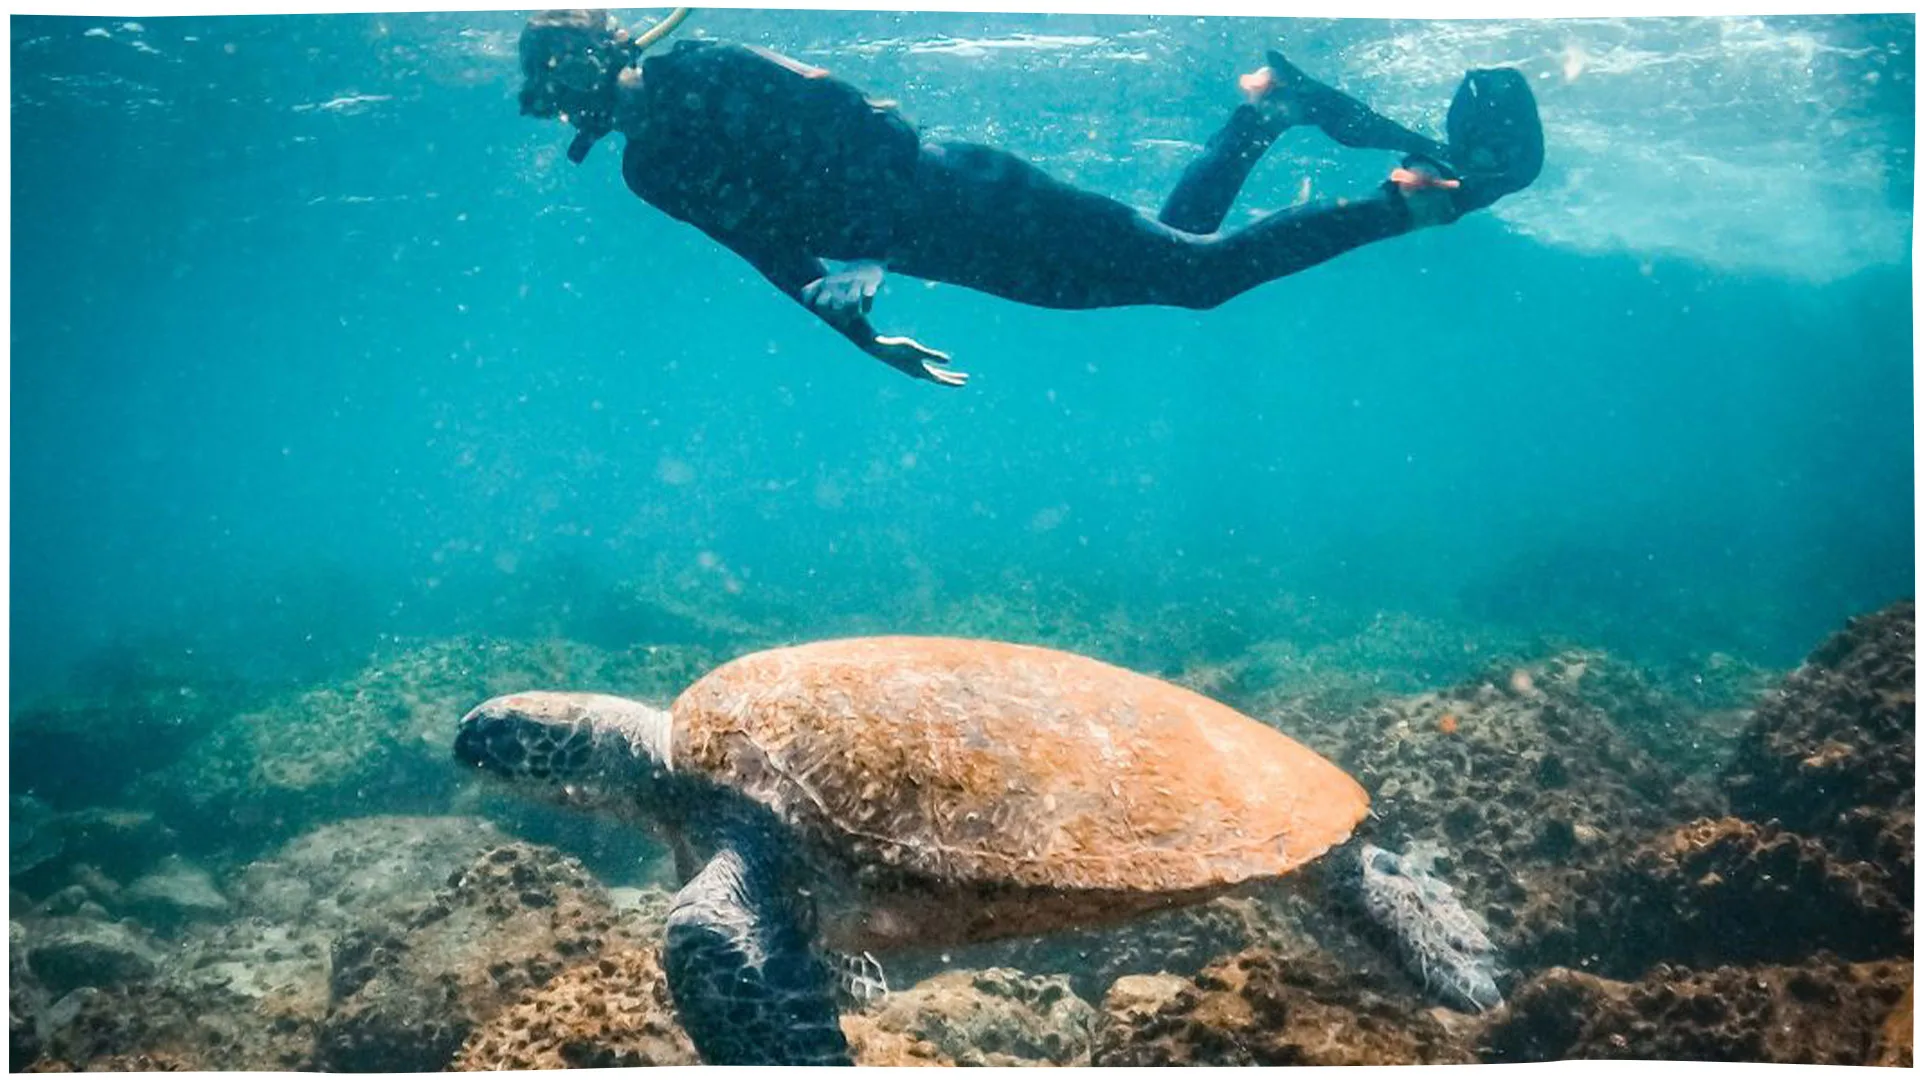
(845, 293)
(916, 360)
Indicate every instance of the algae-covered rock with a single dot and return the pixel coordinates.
(70, 952)
(993, 1017)
(51, 846)
(1824, 1012)
(129, 712)
(385, 733)
(1830, 754)
(614, 1011)
(404, 999)
(1263, 1008)
(1510, 783)
(1719, 891)
(174, 894)
(1386, 653)
(250, 990)
(362, 871)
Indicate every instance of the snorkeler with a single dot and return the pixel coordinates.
(789, 167)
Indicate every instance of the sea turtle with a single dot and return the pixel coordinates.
(867, 793)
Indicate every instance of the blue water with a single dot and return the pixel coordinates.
(316, 340)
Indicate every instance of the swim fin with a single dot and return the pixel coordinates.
(1494, 141)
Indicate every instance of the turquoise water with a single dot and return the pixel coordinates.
(315, 341)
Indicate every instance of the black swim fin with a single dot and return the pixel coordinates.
(1494, 141)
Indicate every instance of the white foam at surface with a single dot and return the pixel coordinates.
(1726, 141)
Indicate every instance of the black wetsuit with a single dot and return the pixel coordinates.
(788, 168)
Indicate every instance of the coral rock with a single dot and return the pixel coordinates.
(173, 895)
(616, 1012)
(613, 1012)
(406, 1001)
(1260, 1008)
(993, 1017)
(1533, 781)
(66, 953)
(1895, 1049)
(1822, 1013)
(1830, 755)
(1720, 891)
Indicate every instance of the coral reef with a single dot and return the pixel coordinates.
(1825, 1012)
(993, 1017)
(70, 951)
(405, 1001)
(310, 757)
(615, 1012)
(26, 1002)
(361, 871)
(1508, 784)
(172, 895)
(1387, 653)
(1560, 796)
(611, 1012)
(1830, 754)
(1263, 1008)
(128, 713)
(51, 847)
(1719, 891)
(1894, 1048)
(250, 991)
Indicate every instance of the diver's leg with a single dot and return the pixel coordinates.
(1279, 96)
(1283, 89)
(1210, 184)
(1289, 241)
(988, 220)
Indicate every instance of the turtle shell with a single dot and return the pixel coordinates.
(986, 763)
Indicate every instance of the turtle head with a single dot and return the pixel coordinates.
(588, 751)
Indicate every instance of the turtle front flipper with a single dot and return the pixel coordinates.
(748, 984)
(1436, 939)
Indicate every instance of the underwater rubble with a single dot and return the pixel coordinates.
(304, 884)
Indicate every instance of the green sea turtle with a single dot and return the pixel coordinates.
(869, 793)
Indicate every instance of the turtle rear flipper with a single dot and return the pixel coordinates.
(1436, 939)
(749, 986)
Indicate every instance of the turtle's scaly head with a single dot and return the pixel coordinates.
(593, 751)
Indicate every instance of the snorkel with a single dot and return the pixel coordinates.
(622, 52)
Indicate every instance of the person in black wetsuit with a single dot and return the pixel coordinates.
(789, 168)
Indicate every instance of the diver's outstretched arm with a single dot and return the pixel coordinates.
(841, 300)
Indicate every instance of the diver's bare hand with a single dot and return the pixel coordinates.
(916, 360)
(844, 293)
